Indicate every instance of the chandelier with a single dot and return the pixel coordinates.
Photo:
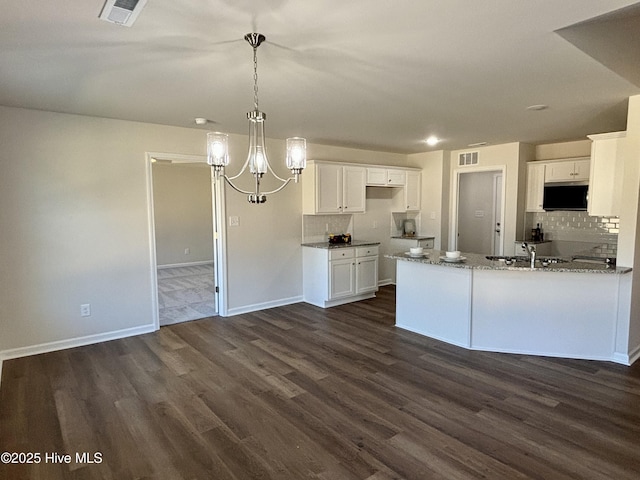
(257, 161)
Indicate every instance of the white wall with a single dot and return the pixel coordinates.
(513, 156)
(74, 227)
(74, 224)
(435, 194)
(552, 151)
(629, 237)
(182, 213)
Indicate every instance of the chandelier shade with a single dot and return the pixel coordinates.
(257, 160)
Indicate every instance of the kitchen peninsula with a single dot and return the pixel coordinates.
(570, 309)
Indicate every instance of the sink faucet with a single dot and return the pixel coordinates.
(531, 249)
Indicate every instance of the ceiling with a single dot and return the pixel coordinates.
(371, 74)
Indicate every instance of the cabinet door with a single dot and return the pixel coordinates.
(342, 280)
(354, 193)
(535, 187)
(366, 274)
(560, 172)
(376, 176)
(396, 177)
(605, 179)
(328, 188)
(412, 191)
(581, 170)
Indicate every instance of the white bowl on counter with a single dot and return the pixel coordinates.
(454, 254)
(416, 251)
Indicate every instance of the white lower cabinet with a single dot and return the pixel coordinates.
(339, 275)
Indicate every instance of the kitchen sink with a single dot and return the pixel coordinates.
(512, 258)
(523, 261)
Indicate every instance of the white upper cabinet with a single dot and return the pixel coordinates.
(535, 186)
(328, 191)
(333, 188)
(605, 183)
(568, 171)
(353, 189)
(380, 176)
(412, 191)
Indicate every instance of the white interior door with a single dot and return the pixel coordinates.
(476, 212)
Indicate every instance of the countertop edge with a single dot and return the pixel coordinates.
(478, 262)
(329, 246)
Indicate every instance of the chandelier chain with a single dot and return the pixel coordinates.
(255, 78)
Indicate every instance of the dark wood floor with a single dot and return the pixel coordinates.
(300, 392)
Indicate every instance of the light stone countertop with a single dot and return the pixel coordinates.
(327, 245)
(480, 262)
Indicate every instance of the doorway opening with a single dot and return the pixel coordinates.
(479, 206)
(182, 221)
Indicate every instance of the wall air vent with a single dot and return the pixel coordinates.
(122, 12)
(468, 158)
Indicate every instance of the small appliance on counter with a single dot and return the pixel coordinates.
(339, 238)
(408, 228)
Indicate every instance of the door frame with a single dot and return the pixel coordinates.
(219, 232)
(453, 215)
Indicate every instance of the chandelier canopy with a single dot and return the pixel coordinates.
(257, 160)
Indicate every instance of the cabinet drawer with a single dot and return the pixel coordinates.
(426, 243)
(368, 251)
(341, 253)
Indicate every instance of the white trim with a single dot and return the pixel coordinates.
(75, 342)
(151, 231)
(615, 357)
(424, 333)
(262, 306)
(187, 264)
(633, 356)
(220, 244)
(385, 282)
(218, 240)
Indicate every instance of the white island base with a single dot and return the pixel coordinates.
(559, 314)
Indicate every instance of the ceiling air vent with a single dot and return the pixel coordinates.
(122, 12)
(468, 158)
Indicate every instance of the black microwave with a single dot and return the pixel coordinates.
(565, 197)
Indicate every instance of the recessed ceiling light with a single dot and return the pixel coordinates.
(201, 121)
(536, 108)
(432, 140)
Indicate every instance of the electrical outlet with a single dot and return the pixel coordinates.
(234, 221)
(85, 310)
(187, 251)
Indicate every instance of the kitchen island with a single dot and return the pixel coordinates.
(570, 309)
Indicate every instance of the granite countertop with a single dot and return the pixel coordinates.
(480, 262)
(415, 237)
(327, 245)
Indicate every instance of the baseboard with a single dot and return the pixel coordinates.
(73, 342)
(262, 306)
(188, 264)
(385, 282)
(627, 359)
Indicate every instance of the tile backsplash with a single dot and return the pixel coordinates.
(316, 228)
(574, 226)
